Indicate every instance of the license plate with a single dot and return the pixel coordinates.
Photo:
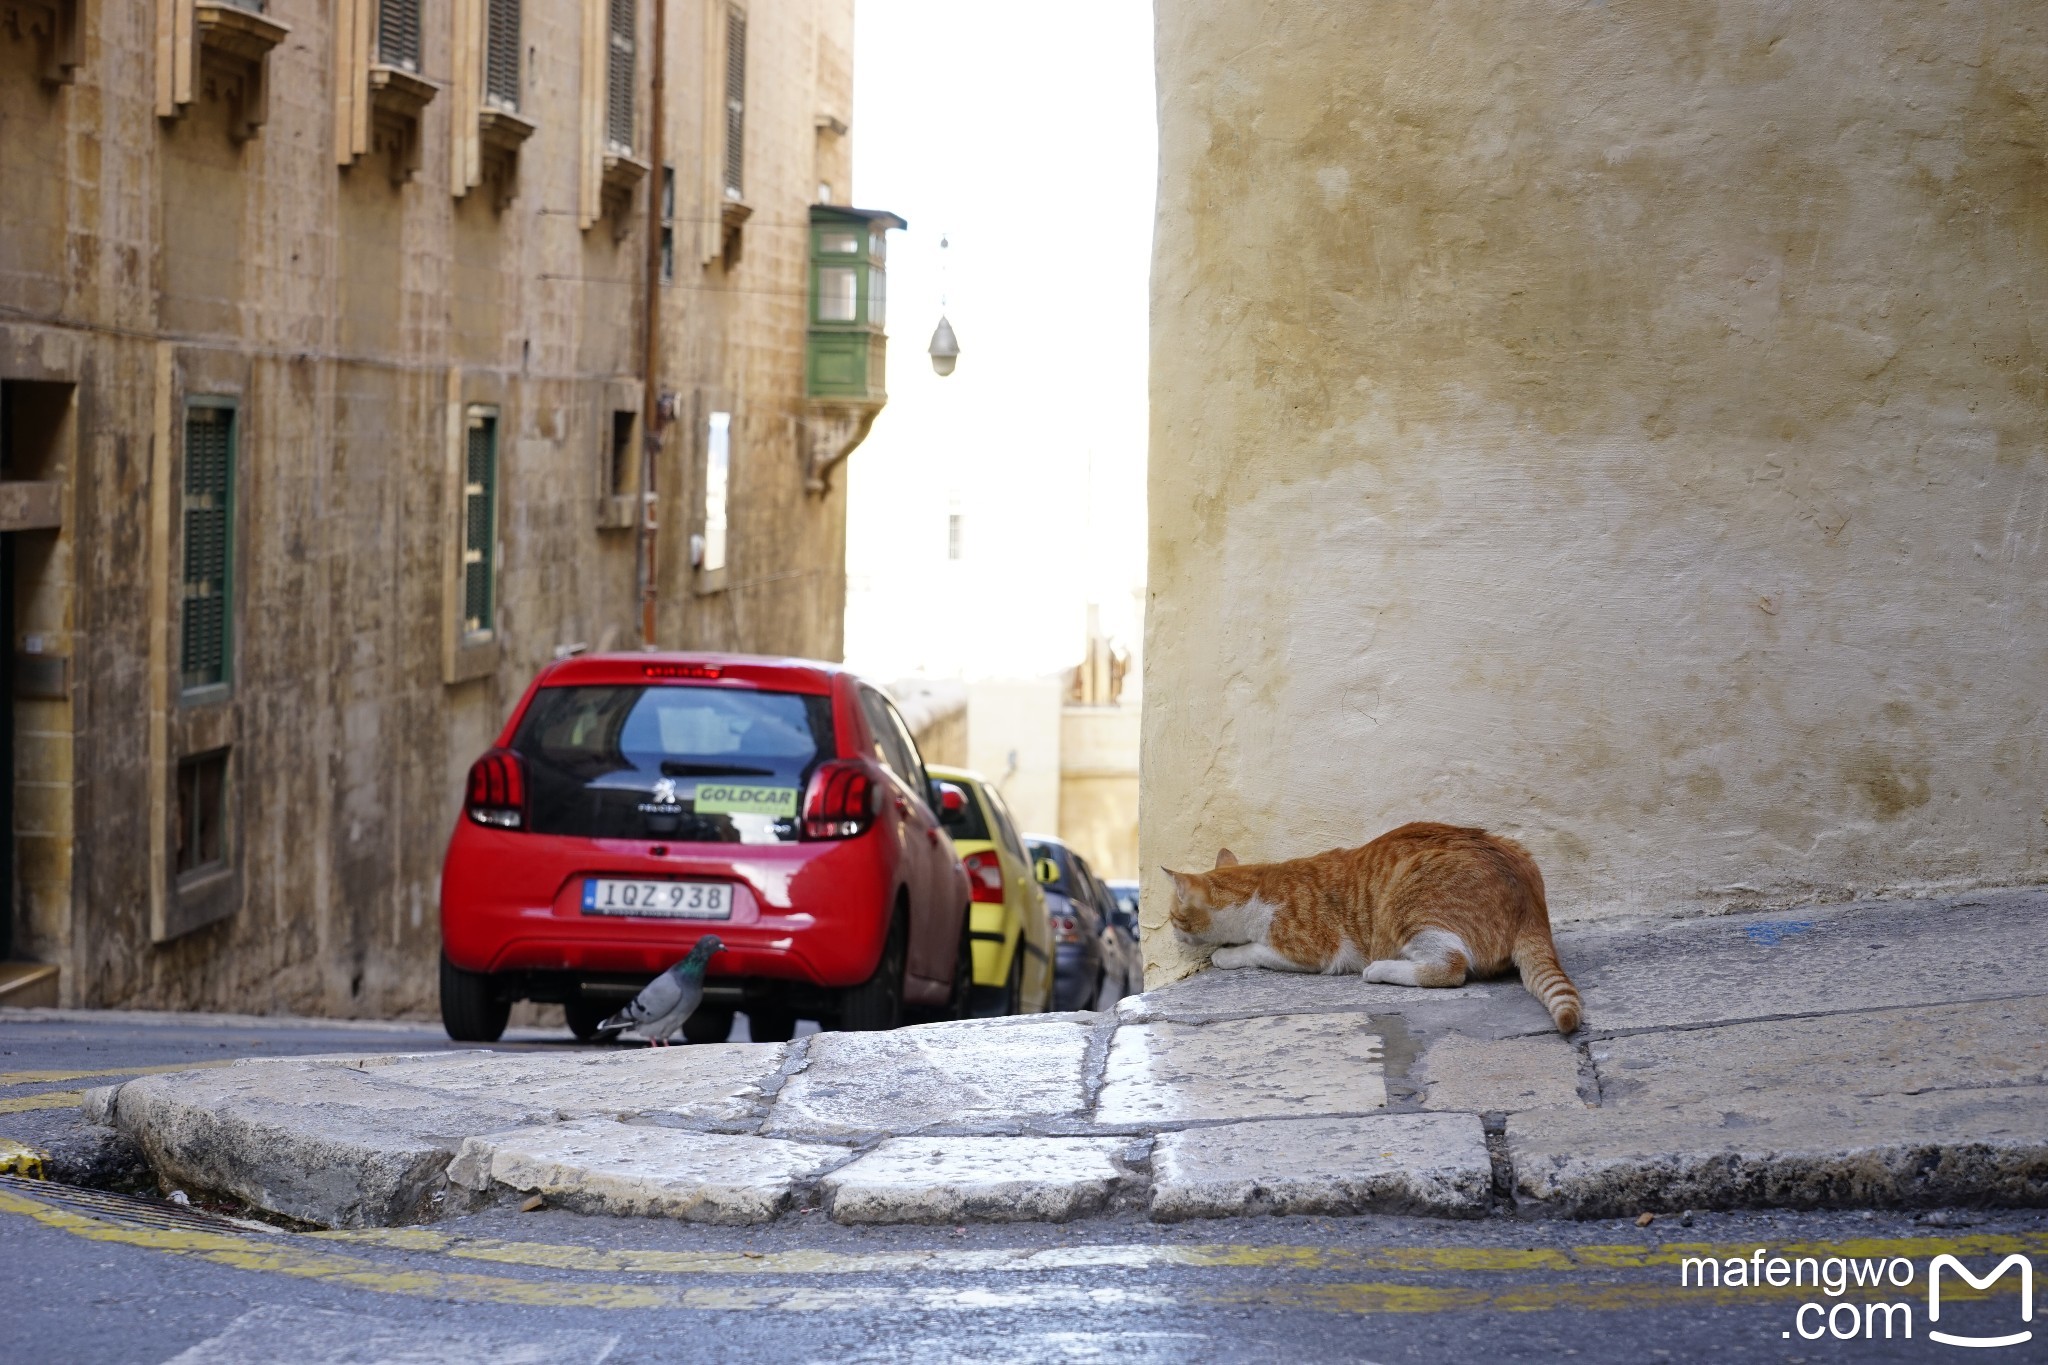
(662, 900)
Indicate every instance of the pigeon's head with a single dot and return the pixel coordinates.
(706, 946)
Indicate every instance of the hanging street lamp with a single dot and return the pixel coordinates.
(945, 348)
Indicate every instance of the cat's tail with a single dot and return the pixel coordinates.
(1535, 956)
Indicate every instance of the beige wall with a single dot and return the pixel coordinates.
(1099, 786)
(1618, 426)
(1013, 739)
(145, 261)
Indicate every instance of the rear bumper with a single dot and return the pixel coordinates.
(806, 914)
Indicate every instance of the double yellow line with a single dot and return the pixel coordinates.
(957, 1278)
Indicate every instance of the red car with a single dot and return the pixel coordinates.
(635, 801)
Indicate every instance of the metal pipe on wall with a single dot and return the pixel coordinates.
(651, 419)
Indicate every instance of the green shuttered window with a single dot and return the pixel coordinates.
(735, 102)
(501, 54)
(619, 78)
(206, 643)
(479, 523)
(398, 33)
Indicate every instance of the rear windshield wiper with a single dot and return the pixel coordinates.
(672, 768)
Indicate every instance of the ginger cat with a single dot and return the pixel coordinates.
(1422, 905)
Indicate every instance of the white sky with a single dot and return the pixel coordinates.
(1025, 134)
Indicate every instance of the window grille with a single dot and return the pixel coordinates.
(209, 505)
(398, 33)
(202, 812)
(735, 101)
(619, 81)
(501, 54)
(479, 523)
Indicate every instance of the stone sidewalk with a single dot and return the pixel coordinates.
(1889, 1053)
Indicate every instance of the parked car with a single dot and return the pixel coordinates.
(1009, 925)
(634, 801)
(1125, 918)
(1072, 901)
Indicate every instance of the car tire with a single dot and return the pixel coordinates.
(709, 1024)
(583, 1018)
(877, 1003)
(1104, 998)
(771, 1025)
(470, 1008)
(959, 1003)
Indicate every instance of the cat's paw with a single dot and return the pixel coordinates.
(1231, 957)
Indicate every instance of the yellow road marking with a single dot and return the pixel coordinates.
(33, 1077)
(48, 1099)
(1136, 1256)
(291, 1256)
(18, 1158)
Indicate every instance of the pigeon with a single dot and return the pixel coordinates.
(659, 1010)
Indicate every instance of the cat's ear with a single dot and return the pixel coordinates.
(1181, 882)
(1225, 858)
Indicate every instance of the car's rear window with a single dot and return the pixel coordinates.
(692, 764)
(969, 822)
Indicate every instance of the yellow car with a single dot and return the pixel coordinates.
(1007, 923)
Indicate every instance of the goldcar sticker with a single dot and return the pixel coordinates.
(726, 798)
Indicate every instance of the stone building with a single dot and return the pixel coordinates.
(1623, 426)
(325, 360)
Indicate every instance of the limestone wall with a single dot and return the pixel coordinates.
(352, 316)
(1619, 425)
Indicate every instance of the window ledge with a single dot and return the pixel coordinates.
(622, 171)
(237, 31)
(395, 89)
(471, 659)
(615, 512)
(397, 99)
(503, 129)
(198, 898)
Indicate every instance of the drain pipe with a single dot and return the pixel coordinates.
(653, 412)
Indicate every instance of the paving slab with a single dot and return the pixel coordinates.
(1264, 1067)
(1215, 992)
(326, 1145)
(1499, 1075)
(715, 1081)
(1389, 1163)
(1893, 1107)
(1810, 961)
(640, 1170)
(976, 1073)
(977, 1179)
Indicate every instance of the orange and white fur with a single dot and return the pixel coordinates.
(1422, 905)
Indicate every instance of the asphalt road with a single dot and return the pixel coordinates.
(98, 1277)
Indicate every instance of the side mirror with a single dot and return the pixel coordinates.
(952, 803)
(1048, 871)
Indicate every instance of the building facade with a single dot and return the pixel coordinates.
(326, 361)
(1622, 426)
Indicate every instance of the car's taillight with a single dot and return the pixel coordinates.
(985, 876)
(497, 791)
(1066, 928)
(842, 798)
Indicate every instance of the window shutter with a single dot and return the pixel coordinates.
(479, 517)
(619, 87)
(209, 465)
(735, 100)
(501, 54)
(398, 33)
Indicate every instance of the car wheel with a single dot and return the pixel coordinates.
(709, 1024)
(470, 1008)
(584, 1017)
(771, 1025)
(877, 1003)
(963, 971)
(1104, 997)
